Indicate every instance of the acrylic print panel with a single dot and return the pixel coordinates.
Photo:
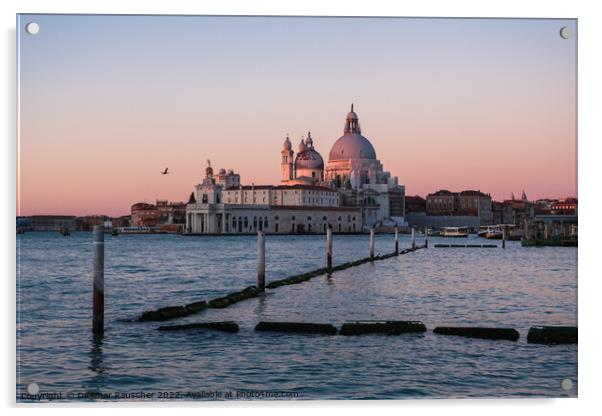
(281, 208)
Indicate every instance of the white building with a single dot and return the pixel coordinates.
(351, 193)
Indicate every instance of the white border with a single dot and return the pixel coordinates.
(590, 136)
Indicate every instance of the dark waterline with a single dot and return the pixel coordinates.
(516, 287)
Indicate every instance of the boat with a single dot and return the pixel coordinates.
(64, 231)
(494, 233)
(455, 232)
(483, 230)
(140, 230)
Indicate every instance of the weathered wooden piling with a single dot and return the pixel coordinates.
(224, 326)
(372, 242)
(329, 249)
(510, 334)
(260, 260)
(504, 231)
(413, 238)
(381, 327)
(396, 241)
(552, 335)
(426, 237)
(299, 327)
(98, 295)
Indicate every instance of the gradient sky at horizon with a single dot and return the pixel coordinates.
(107, 102)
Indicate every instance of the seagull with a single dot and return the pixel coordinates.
(165, 172)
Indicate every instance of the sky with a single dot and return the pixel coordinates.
(107, 102)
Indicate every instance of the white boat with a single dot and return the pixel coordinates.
(454, 232)
(139, 230)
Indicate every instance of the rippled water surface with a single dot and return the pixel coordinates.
(516, 287)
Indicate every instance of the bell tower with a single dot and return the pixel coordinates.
(287, 160)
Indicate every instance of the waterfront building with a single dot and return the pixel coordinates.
(351, 193)
(50, 222)
(444, 208)
(354, 170)
(274, 209)
(161, 213)
(415, 204)
(565, 206)
(514, 211)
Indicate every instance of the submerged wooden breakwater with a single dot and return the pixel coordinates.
(180, 311)
(550, 335)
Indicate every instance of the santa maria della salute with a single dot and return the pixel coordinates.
(351, 193)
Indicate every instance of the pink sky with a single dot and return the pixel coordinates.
(486, 105)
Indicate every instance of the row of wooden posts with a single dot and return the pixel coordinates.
(98, 266)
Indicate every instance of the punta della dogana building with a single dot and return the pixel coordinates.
(351, 193)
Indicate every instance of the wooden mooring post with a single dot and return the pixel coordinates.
(413, 238)
(260, 260)
(98, 295)
(426, 237)
(329, 248)
(396, 241)
(504, 231)
(372, 242)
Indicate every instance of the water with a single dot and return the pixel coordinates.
(517, 287)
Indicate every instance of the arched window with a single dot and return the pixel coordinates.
(254, 222)
(234, 223)
(265, 222)
(246, 222)
(308, 218)
(293, 218)
(276, 218)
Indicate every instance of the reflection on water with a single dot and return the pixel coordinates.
(516, 287)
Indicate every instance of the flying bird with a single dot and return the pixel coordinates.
(165, 172)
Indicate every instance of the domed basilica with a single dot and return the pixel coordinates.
(350, 194)
(353, 169)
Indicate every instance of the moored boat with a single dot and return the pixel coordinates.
(456, 232)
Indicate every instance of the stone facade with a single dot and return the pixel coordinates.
(351, 193)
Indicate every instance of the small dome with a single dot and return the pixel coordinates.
(351, 115)
(352, 146)
(222, 171)
(287, 144)
(309, 159)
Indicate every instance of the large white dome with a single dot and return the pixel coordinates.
(352, 146)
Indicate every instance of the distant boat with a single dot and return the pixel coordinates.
(456, 232)
(494, 234)
(64, 231)
(484, 229)
(140, 230)
(114, 233)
